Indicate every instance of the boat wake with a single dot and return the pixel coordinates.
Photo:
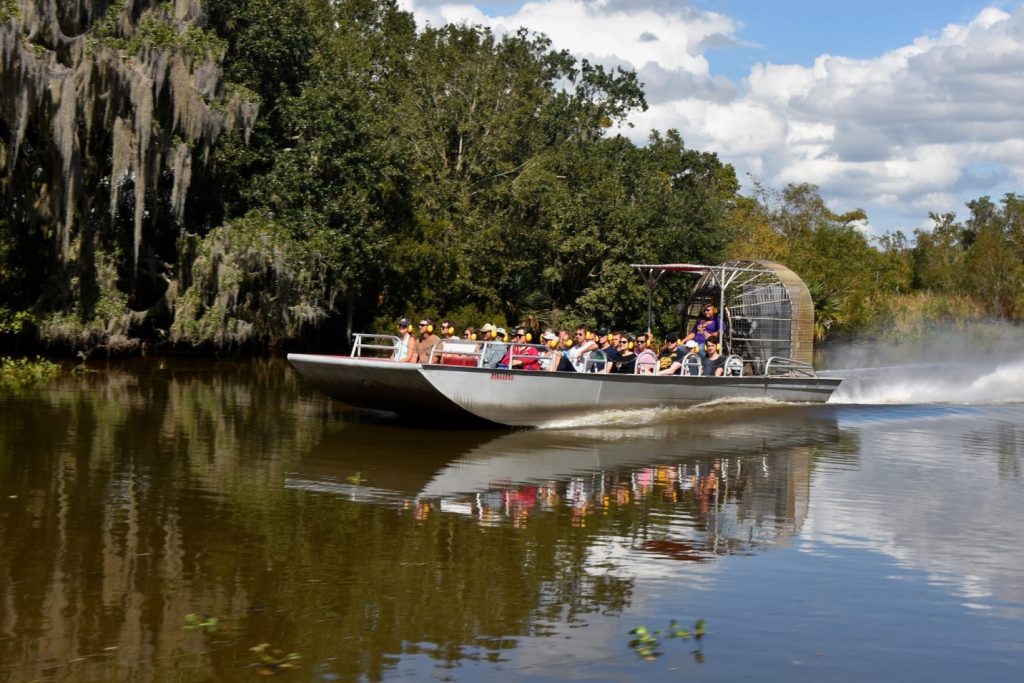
(646, 416)
(940, 383)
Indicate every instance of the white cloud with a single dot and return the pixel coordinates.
(893, 132)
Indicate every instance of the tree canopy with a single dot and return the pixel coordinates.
(253, 173)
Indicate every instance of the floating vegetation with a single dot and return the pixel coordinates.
(22, 373)
(274, 661)
(647, 643)
(355, 479)
(194, 622)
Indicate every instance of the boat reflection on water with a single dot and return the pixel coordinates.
(738, 474)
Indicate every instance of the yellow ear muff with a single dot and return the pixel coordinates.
(552, 343)
(505, 338)
(449, 330)
(568, 343)
(588, 336)
(529, 337)
(630, 345)
(430, 329)
(494, 334)
(472, 337)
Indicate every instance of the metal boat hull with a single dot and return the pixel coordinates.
(374, 384)
(517, 398)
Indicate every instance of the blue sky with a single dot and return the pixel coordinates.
(898, 107)
(797, 31)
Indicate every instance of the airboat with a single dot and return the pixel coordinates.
(765, 312)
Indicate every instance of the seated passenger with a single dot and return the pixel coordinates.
(428, 341)
(646, 358)
(714, 362)
(549, 357)
(605, 346)
(408, 350)
(585, 343)
(670, 360)
(521, 355)
(494, 348)
(625, 364)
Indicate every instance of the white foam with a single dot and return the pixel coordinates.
(938, 383)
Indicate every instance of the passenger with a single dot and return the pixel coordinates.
(521, 355)
(549, 357)
(705, 328)
(646, 357)
(625, 364)
(455, 351)
(428, 340)
(494, 349)
(561, 362)
(447, 330)
(408, 349)
(670, 360)
(606, 347)
(469, 334)
(585, 343)
(714, 362)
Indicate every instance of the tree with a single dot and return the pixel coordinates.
(109, 110)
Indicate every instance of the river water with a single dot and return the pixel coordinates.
(171, 521)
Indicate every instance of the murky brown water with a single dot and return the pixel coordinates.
(190, 522)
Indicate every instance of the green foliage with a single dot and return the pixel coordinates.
(157, 30)
(255, 280)
(22, 373)
(15, 322)
(9, 10)
(648, 644)
(448, 171)
(194, 622)
(271, 661)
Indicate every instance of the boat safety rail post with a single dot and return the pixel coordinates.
(543, 354)
(646, 363)
(373, 342)
(458, 352)
(693, 366)
(778, 365)
(733, 366)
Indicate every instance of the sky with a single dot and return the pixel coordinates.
(901, 108)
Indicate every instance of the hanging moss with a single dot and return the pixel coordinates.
(108, 110)
(253, 283)
(120, 80)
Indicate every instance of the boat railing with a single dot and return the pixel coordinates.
(692, 365)
(373, 342)
(470, 353)
(777, 365)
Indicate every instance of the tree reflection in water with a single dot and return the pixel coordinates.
(136, 497)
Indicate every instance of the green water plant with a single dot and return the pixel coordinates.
(647, 643)
(194, 622)
(22, 373)
(274, 661)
